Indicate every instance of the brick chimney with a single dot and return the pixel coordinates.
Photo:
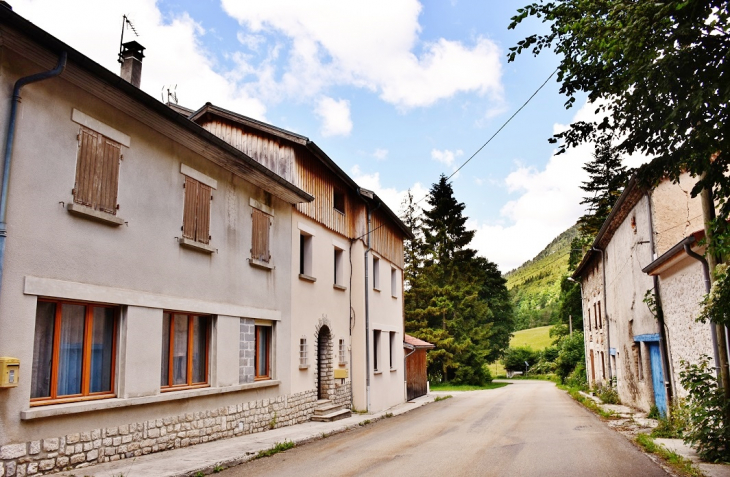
(131, 59)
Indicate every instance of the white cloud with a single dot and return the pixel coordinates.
(380, 154)
(392, 197)
(174, 54)
(335, 117)
(549, 203)
(446, 157)
(355, 43)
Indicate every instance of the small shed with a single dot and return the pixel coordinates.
(415, 357)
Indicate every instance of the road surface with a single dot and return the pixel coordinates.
(529, 428)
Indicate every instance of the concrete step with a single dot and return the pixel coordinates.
(332, 416)
(327, 408)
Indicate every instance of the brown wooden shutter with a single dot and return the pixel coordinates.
(260, 239)
(196, 213)
(97, 171)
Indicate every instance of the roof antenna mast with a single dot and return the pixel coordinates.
(126, 23)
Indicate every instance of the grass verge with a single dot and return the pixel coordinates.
(675, 461)
(465, 387)
(442, 398)
(589, 403)
(278, 447)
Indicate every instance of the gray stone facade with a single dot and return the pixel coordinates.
(247, 351)
(89, 447)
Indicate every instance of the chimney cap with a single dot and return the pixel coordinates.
(132, 48)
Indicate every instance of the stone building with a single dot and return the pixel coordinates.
(644, 346)
(149, 276)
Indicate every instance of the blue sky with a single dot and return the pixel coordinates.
(396, 92)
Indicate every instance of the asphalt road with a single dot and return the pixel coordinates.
(529, 428)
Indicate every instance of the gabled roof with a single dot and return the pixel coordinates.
(416, 343)
(212, 110)
(22, 36)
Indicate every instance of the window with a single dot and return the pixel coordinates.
(589, 319)
(339, 267)
(600, 319)
(376, 349)
(305, 254)
(339, 201)
(393, 282)
(376, 273)
(392, 350)
(595, 317)
(73, 352)
(184, 350)
(263, 352)
(639, 362)
(303, 352)
(97, 171)
(343, 356)
(196, 212)
(260, 226)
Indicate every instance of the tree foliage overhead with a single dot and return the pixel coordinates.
(657, 72)
(453, 299)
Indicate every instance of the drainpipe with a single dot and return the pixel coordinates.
(405, 367)
(367, 296)
(350, 317)
(605, 308)
(659, 312)
(706, 275)
(9, 145)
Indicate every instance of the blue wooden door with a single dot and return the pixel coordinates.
(657, 377)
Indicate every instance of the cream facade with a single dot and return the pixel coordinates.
(150, 284)
(643, 268)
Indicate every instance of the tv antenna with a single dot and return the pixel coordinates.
(171, 95)
(126, 23)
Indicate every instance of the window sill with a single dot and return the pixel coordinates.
(376, 289)
(395, 297)
(303, 366)
(377, 372)
(260, 264)
(197, 246)
(307, 278)
(342, 364)
(392, 370)
(84, 212)
(339, 287)
(112, 403)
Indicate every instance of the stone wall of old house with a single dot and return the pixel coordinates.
(682, 289)
(676, 213)
(91, 446)
(594, 330)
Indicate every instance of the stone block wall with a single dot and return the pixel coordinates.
(92, 446)
(247, 351)
(342, 395)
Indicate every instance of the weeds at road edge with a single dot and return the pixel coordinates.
(589, 403)
(442, 398)
(674, 460)
(365, 422)
(278, 447)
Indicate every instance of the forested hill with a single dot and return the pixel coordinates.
(535, 285)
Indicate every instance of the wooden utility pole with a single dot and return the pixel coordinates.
(570, 321)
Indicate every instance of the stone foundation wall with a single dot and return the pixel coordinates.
(82, 449)
(342, 395)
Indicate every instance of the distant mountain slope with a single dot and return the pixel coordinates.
(535, 285)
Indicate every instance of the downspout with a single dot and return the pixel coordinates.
(706, 275)
(9, 146)
(350, 313)
(669, 375)
(405, 367)
(367, 301)
(605, 308)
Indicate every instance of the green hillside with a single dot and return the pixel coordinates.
(535, 285)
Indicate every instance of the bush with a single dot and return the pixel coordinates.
(707, 409)
(514, 358)
(607, 394)
(570, 356)
(577, 378)
(673, 426)
(472, 370)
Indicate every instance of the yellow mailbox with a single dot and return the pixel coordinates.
(340, 373)
(9, 372)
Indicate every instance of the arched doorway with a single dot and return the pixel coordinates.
(324, 363)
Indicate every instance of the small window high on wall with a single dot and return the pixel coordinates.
(97, 171)
(376, 273)
(339, 201)
(339, 271)
(393, 282)
(376, 350)
(260, 235)
(305, 254)
(196, 211)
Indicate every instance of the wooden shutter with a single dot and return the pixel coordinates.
(196, 213)
(260, 239)
(97, 171)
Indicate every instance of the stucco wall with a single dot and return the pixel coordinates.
(676, 213)
(594, 335)
(82, 257)
(682, 289)
(627, 253)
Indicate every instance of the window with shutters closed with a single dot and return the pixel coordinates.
(97, 171)
(260, 226)
(196, 214)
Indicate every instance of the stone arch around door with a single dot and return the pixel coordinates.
(324, 378)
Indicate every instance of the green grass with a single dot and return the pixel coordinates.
(465, 387)
(278, 447)
(442, 398)
(676, 461)
(535, 338)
